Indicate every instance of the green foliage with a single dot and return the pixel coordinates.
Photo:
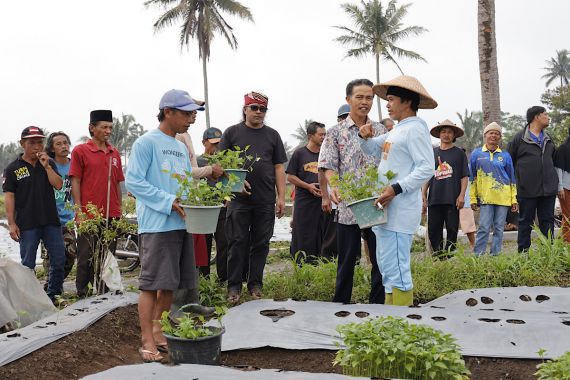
(354, 186)
(313, 282)
(197, 192)
(558, 101)
(101, 234)
(545, 264)
(235, 158)
(2, 207)
(212, 293)
(472, 123)
(190, 326)
(556, 369)
(300, 133)
(390, 347)
(8, 153)
(511, 124)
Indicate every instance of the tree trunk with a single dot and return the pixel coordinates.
(378, 81)
(205, 72)
(488, 70)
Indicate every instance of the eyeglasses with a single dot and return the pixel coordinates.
(261, 109)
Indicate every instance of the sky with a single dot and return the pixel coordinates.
(62, 59)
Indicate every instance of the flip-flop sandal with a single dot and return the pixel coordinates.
(162, 348)
(156, 357)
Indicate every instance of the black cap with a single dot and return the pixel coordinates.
(213, 135)
(31, 132)
(101, 115)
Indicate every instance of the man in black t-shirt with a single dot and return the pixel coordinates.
(446, 188)
(30, 206)
(302, 172)
(251, 215)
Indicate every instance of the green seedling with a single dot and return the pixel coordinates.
(390, 347)
(190, 326)
(235, 158)
(362, 184)
(194, 192)
(556, 369)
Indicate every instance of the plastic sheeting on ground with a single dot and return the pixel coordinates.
(205, 372)
(22, 297)
(508, 327)
(18, 343)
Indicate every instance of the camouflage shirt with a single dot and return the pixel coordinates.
(341, 152)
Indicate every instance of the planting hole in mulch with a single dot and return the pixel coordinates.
(471, 302)
(342, 313)
(487, 300)
(414, 316)
(246, 368)
(40, 327)
(437, 307)
(15, 335)
(486, 309)
(96, 301)
(560, 312)
(541, 298)
(513, 343)
(280, 299)
(51, 323)
(567, 323)
(525, 298)
(299, 299)
(277, 314)
(439, 319)
(516, 321)
(489, 320)
(506, 309)
(362, 314)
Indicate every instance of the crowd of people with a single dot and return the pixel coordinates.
(524, 177)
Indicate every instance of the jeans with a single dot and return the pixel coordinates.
(248, 231)
(541, 207)
(53, 240)
(348, 247)
(490, 215)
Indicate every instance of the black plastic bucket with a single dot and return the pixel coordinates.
(206, 350)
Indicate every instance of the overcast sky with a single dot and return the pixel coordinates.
(62, 59)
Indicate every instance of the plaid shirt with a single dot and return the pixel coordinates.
(341, 152)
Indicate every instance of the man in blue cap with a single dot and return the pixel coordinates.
(167, 255)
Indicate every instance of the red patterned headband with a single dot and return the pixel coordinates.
(256, 98)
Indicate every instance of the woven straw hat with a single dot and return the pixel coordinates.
(409, 83)
(447, 123)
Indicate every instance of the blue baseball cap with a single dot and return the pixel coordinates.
(343, 110)
(180, 100)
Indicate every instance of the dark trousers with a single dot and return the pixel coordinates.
(248, 231)
(328, 233)
(348, 248)
(541, 207)
(85, 274)
(221, 249)
(438, 216)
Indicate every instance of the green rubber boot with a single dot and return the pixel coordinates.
(402, 298)
(388, 300)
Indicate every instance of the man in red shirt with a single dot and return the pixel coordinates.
(91, 183)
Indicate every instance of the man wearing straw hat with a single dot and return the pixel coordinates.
(446, 188)
(96, 174)
(407, 152)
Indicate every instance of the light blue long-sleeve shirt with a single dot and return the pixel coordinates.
(154, 162)
(406, 150)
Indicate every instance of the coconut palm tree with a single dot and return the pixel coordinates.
(300, 133)
(201, 20)
(377, 30)
(472, 124)
(125, 131)
(488, 69)
(558, 67)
